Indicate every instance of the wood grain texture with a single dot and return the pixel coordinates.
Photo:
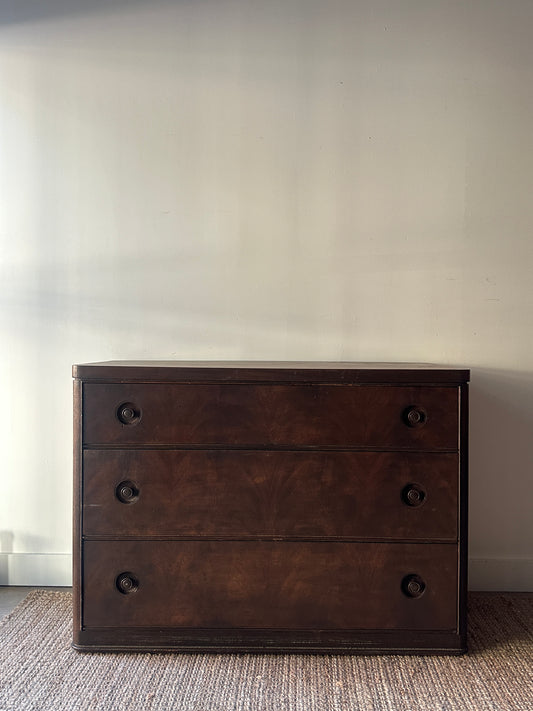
(257, 507)
(268, 641)
(77, 512)
(288, 585)
(463, 512)
(239, 494)
(271, 416)
(271, 371)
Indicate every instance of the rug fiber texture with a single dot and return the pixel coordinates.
(39, 670)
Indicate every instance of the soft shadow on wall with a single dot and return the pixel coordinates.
(501, 482)
(15, 12)
(6, 547)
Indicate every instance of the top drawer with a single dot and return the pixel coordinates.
(263, 415)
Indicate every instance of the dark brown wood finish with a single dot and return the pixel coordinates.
(267, 416)
(270, 372)
(270, 585)
(463, 514)
(247, 494)
(233, 507)
(310, 641)
(77, 533)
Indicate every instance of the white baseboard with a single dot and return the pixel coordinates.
(498, 574)
(501, 574)
(36, 569)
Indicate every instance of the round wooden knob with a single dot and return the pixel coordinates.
(126, 492)
(127, 583)
(128, 413)
(415, 416)
(413, 495)
(413, 586)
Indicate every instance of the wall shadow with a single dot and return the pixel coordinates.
(15, 12)
(6, 547)
(501, 463)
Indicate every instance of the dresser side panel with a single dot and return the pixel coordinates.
(463, 511)
(77, 509)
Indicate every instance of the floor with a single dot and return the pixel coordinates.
(11, 595)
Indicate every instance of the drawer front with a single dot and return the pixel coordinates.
(240, 494)
(271, 415)
(289, 585)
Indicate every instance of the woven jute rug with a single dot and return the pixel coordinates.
(40, 670)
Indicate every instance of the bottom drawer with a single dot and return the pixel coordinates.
(269, 585)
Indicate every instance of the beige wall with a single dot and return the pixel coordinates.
(283, 180)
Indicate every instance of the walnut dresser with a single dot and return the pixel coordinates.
(270, 507)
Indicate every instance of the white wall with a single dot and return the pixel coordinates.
(289, 179)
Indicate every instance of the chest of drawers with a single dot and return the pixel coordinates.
(270, 507)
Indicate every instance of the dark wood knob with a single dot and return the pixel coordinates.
(413, 586)
(126, 492)
(127, 583)
(128, 413)
(413, 495)
(415, 416)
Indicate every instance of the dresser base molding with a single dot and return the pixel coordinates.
(217, 641)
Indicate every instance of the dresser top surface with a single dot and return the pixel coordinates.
(270, 371)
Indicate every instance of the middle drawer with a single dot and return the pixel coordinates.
(265, 494)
